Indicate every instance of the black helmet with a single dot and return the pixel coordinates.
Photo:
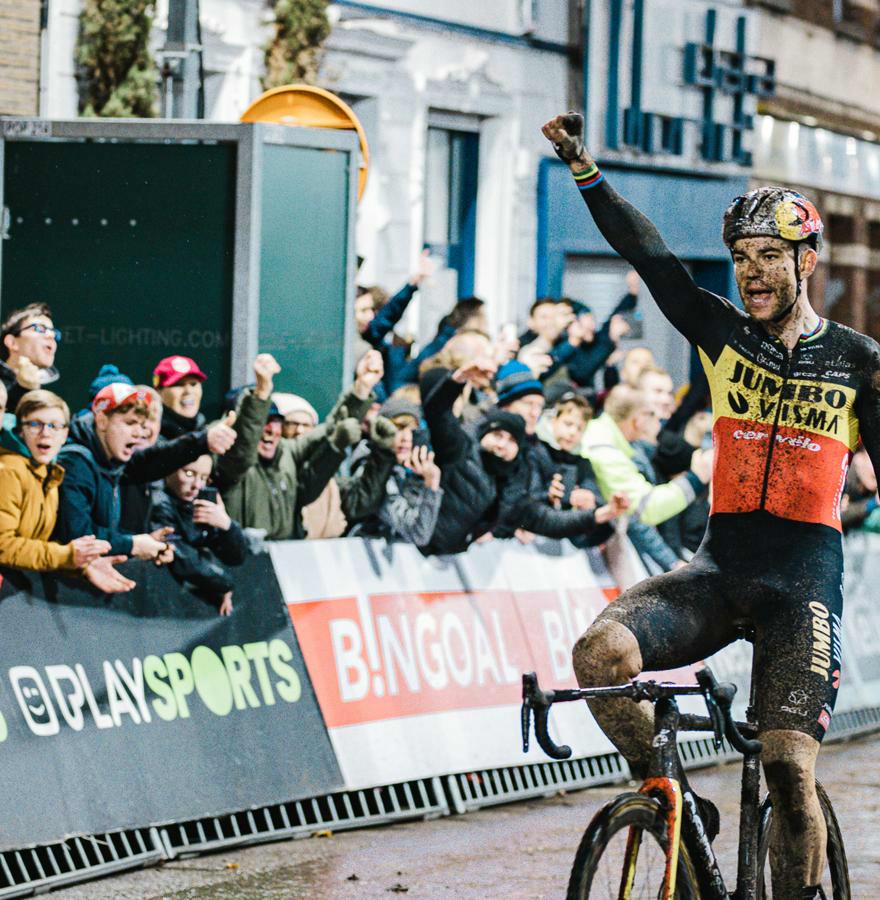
(772, 212)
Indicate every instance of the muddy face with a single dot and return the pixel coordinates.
(764, 268)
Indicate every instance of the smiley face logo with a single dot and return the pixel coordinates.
(33, 700)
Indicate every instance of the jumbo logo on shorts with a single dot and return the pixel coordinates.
(820, 663)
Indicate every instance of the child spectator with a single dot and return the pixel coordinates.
(102, 446)
(208, 539)
(29, 481)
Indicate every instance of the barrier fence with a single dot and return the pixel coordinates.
(355, 682)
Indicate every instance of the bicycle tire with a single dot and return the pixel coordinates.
(837, 866)
(628, 810)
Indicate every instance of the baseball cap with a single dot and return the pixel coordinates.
(117, 394)
(171, 369)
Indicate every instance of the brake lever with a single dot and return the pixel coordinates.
(538, 701)
(706, 680)
(525, 712)
(721, 702)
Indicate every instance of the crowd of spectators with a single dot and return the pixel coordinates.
(473, 436)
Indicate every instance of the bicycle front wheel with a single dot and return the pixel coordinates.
(598, 870)
(835, 879)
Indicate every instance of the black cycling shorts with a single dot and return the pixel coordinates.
(782, 578)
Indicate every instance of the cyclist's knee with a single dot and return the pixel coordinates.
(789, 760)
(607, 653)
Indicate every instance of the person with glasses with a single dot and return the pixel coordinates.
(28, 343)
(29, 482)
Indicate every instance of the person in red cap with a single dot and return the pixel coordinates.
(179, 382)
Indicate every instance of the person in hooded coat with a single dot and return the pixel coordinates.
(485, 479)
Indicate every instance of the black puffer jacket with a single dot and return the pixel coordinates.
(480, 492)
(202, 551)
(545, 461)
(174, 425)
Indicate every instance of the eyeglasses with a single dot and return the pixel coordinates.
(40, 328)
(35, 427)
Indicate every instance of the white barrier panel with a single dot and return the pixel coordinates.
(860, 677)
(416, 662)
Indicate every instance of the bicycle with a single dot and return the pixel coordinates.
(664, 813)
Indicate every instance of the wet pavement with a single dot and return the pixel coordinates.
(521, 850)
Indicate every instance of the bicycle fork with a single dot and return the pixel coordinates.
(666, 786)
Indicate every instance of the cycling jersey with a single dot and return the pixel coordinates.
(785, 426)
(785, 422)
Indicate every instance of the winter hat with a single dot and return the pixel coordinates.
(288, 404)
(400, 406)
(514, 380)
(501, 420)
(108, 374)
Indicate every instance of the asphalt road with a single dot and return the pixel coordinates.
(521, 850)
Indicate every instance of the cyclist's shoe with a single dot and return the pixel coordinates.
(710, 816)
(814, 893)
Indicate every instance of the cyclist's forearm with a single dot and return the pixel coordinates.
(637, 240)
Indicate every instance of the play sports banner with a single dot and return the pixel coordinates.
(148, 707)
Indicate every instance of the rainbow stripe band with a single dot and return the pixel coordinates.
(589, 179)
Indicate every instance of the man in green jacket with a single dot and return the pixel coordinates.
(607, 444)
(270, 478)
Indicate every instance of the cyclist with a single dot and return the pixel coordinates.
(791, 395)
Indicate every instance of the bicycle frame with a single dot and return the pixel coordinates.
(667, 781)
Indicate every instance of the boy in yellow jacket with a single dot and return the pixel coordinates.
(29, 481)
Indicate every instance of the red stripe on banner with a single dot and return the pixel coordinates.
(410, 653)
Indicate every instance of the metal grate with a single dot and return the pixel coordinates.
(420, 799)
(488, 787)
(39, 869)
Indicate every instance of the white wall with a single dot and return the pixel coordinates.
(814, 62)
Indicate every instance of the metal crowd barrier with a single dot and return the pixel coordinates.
(24, 873)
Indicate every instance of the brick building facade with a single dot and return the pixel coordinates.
(19, 57)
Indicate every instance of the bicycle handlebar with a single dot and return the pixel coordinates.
(718, 697)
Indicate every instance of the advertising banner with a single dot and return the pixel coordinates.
(148, 707)
(417, 663)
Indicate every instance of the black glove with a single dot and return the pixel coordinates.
(571, 147)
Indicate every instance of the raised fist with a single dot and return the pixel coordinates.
(566, 133)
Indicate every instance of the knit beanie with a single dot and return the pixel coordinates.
(109, 374)
(400, 406)
(514, 380)
(500, 420)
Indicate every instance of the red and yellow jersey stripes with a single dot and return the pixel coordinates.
(785, 427)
